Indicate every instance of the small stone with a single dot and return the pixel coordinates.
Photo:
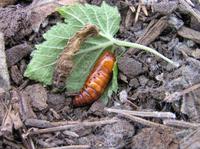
(143, 80)
(123, 96)
(134, 83)
(160, 77)
(196, 53)
(97, 108)
(175, 22)
(190, 43)
(123, 77)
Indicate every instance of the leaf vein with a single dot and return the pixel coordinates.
(72, 15)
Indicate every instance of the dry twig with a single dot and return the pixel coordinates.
(138, 119)
(37, 123)
(64, 127)
(154, 114)
(174, 96)
(12, 144)
(4, 75)
(186, 7)
(71, 147)
(191, 141)
(189, 33)
(181, 124)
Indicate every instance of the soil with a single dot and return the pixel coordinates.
(146, 84)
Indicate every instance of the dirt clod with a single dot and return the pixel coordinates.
(56, 101)
(130, 67)
(16, 53)
(38, 96)
(165, 7)
(14, 23)
(155, 138)
(97, 108)
(110, 136)
(134, 83)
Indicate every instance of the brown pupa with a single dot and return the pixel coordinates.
(97, 80)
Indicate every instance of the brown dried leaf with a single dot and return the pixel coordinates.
(41, 9)
(18, 21)
(129, 19)
(16, 119)
(12, 117)
(7, 124)
(64, 63)
(11, 120)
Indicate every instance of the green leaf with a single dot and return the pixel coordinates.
(42, 64)
(107, 18)
(114, 86)
(104, 98)
(76, 16)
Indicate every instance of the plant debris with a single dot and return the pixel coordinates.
(155, 138)
(17, 22)
(155, 104)
(4, 76)
(189, 34)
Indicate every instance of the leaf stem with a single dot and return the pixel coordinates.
(139, 46)
(103, 45)
(126, 44)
